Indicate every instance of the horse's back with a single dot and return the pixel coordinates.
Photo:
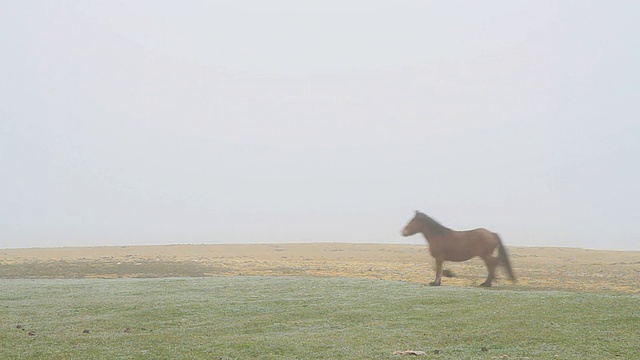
(479, 234)
(479, 241)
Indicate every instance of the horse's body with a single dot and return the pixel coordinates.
(450, 245)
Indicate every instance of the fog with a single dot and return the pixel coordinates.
(165, 122)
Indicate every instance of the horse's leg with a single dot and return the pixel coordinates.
(436, 282)
(491, 262)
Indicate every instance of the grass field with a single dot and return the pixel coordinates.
(306, 318)
(313, 301)
(564, 269)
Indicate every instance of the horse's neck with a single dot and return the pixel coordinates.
(428, 233)
(432, 234)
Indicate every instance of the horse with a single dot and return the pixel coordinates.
(451, 245)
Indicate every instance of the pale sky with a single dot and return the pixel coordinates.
(166, 122)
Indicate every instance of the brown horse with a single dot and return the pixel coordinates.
(450, 245)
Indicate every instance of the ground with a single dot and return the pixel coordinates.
(536, 268)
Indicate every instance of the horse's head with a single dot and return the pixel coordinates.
(414, 226)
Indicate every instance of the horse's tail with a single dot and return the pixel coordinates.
(504, 259)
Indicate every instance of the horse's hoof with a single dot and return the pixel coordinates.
(435, 283)
(485, 284)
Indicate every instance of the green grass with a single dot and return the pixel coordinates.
(306, 318)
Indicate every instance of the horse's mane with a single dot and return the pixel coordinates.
(434, 225)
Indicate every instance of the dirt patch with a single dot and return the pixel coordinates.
(536, 268)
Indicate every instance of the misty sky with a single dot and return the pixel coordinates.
(160, 122)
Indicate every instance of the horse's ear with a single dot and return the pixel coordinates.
(417, 212)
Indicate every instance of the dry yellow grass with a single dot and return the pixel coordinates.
(537, 268)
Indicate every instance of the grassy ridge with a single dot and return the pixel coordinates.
(306, 318)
